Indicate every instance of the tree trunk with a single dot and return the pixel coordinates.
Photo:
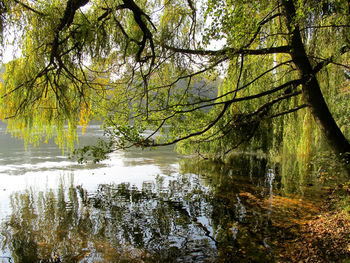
(311, 88)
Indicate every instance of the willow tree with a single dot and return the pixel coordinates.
(152, 64)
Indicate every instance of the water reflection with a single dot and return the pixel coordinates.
(118, 222)
(216, 214)
(145, 206)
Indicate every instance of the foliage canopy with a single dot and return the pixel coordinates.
(209, 75)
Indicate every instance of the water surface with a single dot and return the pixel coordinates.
(140, 206)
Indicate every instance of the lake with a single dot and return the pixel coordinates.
(142, 206)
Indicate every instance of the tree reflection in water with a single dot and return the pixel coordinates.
(207, 213)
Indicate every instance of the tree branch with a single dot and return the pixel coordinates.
(221, 114)
(288, 111)
(330, 60)
(29, 8)
(229, 51)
